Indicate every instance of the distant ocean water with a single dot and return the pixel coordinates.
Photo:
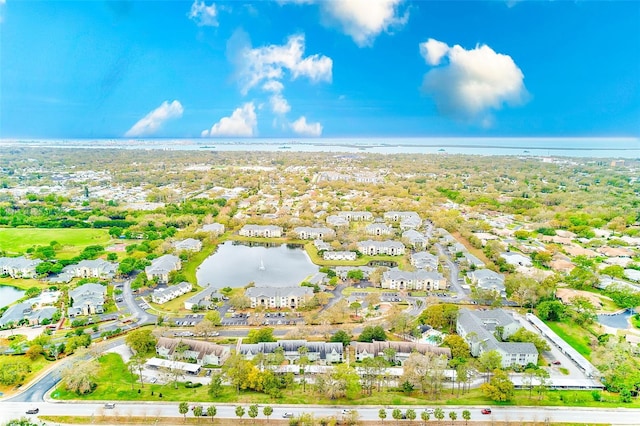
(628, 148)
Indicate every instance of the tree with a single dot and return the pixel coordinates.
(211, 412)
(401, 322)
(500, 387)
(371, 333)
(466, 415)
(397, 415)
(240, 302)
(355, 306)
(213, 316)
(198, 410)
(34, 352)
(80, 376)
(524, 335)
(490, 360)
(215, 387)
(264, 334)
(382, 414)
(303, 362)
(183, 408)
(453, 416)
(552, 310)
(253, 411)
(424, 416)
(237, 370)
(136, 366)
(141, 341)
(341, 336)
(411, 414)
(459, 347)
(240, 411)
(439, 414)
(440, 316)
(267, 411)
(355, 275)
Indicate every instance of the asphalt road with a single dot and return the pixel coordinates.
(617, 416)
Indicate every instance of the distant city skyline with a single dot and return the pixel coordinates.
(313, 68)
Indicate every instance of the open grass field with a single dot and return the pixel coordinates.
(18, 240)
(574, 335)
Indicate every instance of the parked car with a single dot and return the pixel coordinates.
(486, 411)
(287, 415)
(33, 411)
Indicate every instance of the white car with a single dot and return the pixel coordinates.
(430, 410)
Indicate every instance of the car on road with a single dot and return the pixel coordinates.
(430, 410)
(109, 405)
(486, 411)
(287, 416)
(33, 411)
(556, 362)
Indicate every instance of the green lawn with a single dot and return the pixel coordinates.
(73, 241)
(574, 335)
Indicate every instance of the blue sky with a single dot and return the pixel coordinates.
(307, 68)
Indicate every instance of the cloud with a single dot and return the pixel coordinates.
(301, 127)
(469, 84)
(433, 51)
(203, 15)
(364, 20)
(273, 61)
(241, 123)
(279, 104)
(153, 121)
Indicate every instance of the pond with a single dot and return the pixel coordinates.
(8, 295)
(235, 264)
(619, 320)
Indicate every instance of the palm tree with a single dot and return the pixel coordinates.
(439, 414)
(267, 411)
(411, 414)
(240, 411)
(466, 415)
(197, 412)
(424, 416)
(183, 409)
(396, 414)
(382, 414)
(211, 412)
(453, 416)
(253, 411)
(303, 362)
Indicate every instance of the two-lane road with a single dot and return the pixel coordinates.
(616, 416)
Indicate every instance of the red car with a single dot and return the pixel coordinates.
(486, 411)
(556, 363)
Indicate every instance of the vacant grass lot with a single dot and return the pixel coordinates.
(574, 335)
(115, 384)
(73, 241)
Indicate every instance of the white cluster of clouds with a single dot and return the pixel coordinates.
(153, 121)
(273, 61)
(301, 127)
(362, 20)
(242, 123)
(265, 68)
(469, 84)
(203, 15)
